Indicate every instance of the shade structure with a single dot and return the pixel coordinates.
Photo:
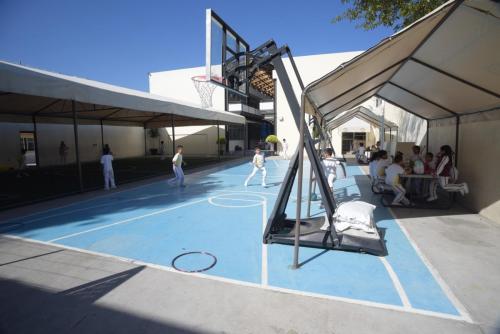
(26, 91)
(362, 113)
(447, 64)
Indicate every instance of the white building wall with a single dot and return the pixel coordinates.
(125, 142)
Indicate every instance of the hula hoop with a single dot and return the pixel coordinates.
(194, 271)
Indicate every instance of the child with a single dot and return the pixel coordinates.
(392, 179)
(258, 164)
(443, 172)
(177, 167)
(416, 153)
(372, 166)
(107, 168)
(330, 167)
(360, 155)
(429, 163)
(383, 163)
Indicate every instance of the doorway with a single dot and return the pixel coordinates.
(27, 141)
(351, 140)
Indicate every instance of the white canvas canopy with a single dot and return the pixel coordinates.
(362, 113)
(26, 91)
(447, 64)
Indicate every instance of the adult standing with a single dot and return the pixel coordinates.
(285, 149)
(63, 152)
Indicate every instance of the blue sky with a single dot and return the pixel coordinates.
(120, 41)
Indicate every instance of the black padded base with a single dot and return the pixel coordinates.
(311, 235)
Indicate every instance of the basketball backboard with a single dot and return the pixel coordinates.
(225, 55)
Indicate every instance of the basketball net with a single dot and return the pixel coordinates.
(205, 89)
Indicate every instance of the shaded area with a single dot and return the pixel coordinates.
(38, 184)
(30, 309)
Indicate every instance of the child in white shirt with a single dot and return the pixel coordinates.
(258, 163)
(177, 167)
(107, 168)
(330, 167)
(372, 166)
(392, 179)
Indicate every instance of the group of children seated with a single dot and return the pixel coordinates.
(385, 175)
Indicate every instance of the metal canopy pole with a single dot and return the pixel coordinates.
(35, 139)
(457, 132)
(173, 135)
(77, 150)
(218, 141)
(102, 136)
(427, 137)
(295, 264)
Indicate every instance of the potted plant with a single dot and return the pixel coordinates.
(153, 133)
(272, 139)
(221, 141)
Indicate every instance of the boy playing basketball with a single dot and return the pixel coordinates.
(258, 164)
(177, 167)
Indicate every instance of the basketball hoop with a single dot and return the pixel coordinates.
(205, 89)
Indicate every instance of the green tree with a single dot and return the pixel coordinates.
(390, 13)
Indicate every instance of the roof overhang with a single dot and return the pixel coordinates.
(27, 92)
(446, 64)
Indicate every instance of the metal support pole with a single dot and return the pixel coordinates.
(77, 150)
(457, 133)
(298, 212)
(173, 135)
(218, 141)
(35, 139)
(245, 138)
(145, 141)
(427, 137)
(309, 193)
(102, 136)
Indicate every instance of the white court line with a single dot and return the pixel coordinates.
(246, 192)
(435, 274)
(253, 285)
(126, 220)
(277, 165)
(92, 207)
(396, 282)
(111, 193)
(245, 175)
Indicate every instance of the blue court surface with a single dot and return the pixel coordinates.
(215, 213)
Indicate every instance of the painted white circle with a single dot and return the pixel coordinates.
(237, 200)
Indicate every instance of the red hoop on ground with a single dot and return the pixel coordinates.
(205, 88)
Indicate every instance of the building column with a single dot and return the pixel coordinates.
(102, 136)
(218, 144)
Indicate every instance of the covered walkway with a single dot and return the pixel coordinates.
(443, 69)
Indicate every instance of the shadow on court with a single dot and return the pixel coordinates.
(112, 207)
(37, 184)
(30, 309)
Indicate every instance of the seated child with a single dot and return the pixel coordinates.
(392, 178)
(416, 154)
(360, 155)
(372, 166)
(330, 167)
(429, 165)
(383, 163)
(443, 172)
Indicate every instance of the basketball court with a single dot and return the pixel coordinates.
(217, 229)
(216, 214)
